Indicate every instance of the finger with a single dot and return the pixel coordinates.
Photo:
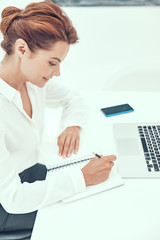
(111, 164)
(72, 146)
(109, 158)
(66, 146)
(77, 145)
(108, 173)
(108, 170)
(61, 142)
(108, 165)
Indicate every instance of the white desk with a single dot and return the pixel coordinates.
(129, 212)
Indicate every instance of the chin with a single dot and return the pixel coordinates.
(41, 84)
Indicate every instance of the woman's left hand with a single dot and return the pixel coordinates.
(69, 141)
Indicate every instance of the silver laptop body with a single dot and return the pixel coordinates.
(138, 149)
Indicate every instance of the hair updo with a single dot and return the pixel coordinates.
(40, 25)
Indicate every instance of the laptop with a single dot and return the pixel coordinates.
(138, 149)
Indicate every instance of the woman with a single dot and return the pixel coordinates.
(36, 40)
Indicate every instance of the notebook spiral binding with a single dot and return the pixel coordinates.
(68, 163)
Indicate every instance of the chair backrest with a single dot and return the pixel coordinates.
(16, 235)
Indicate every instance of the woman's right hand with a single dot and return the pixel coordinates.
(98, 169)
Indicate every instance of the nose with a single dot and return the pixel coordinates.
(56, 71)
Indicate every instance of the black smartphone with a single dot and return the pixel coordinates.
(116, 110)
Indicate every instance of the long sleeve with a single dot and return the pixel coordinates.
(16, 197)
(20, 143)
(74, 111)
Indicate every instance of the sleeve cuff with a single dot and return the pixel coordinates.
(63, 184)
(77, 179)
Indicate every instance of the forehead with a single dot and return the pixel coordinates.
(58, 50)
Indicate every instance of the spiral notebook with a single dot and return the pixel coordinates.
(70, 162)
(113, 181)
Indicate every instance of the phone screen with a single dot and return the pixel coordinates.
(115, 110)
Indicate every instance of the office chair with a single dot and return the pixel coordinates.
(16, 235)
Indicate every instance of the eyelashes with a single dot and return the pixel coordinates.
(52, 64)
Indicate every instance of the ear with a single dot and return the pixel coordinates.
(21, 48)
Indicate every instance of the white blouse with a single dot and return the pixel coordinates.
(20, 139)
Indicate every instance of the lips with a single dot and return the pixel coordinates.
(46, 79)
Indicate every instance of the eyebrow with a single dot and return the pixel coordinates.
(56, 59)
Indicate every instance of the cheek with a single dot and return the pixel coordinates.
(39, 68)
(34, 69)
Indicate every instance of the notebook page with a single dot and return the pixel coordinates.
(113, 181)
(52, 160)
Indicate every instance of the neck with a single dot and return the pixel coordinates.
(10, 72)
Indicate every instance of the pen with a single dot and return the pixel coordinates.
(97, 155)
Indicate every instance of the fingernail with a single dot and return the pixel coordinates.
(69, 155)
(64, 156)
(60, 154)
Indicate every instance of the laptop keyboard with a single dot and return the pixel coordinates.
(150, 139)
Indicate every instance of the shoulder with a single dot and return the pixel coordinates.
(3, 102)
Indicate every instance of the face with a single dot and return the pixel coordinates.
(38, 68)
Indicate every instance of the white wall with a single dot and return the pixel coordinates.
(113, 41)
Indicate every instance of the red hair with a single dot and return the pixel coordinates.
(40, 24)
